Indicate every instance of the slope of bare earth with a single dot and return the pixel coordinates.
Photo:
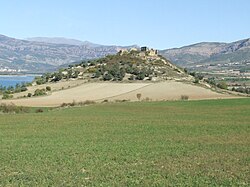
(87, 91)
(169, 90)
(61, 85)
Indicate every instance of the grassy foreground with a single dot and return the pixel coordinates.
(182, 143)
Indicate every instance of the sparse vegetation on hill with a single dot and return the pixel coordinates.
(8, 91)
(133, 65)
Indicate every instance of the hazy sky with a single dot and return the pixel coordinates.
(155, 23)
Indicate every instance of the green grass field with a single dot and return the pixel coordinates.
(181, 143)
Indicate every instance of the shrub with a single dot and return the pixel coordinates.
(48, 88)
(29, 94)
(39, 92)
(184, 97)
(40, 80)
(57, 77)
(107, 77)
(199, 76)
(64, 104)
(211, 81)
(138, 96)
(88, 102)
(196, 81)
(140, 76)
(222, 85)
(82, 103)
(39, 110)
(241, 90)
(11, 108)
(92, 70)
(23, 89)
(97, 74)
(192, 74)
(121, 100)
(147, 99)
(7, 96)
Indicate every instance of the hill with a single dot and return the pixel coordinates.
(206, 54)
(144, 64)
(33, 56)
(127, 76)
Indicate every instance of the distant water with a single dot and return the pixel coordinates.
(12, 80)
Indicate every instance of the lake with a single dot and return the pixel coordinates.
(12, 80)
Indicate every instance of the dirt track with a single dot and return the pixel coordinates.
(169, 90)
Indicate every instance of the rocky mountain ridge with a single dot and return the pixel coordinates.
(209, 53)
(32, 56)
(61, 40)
(43, 54)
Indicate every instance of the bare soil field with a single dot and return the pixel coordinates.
(169, 90)
(62, 85)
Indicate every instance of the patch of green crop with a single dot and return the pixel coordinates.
(181, 143)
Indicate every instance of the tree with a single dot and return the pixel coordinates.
(40, 80)
(192, 74)
(141, 76)
(57, 77)
(107, 77)
(222, 85)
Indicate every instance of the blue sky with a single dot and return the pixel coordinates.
(156, 23)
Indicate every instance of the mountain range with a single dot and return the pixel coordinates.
(210, 53)
(61, 40)
(41, 54)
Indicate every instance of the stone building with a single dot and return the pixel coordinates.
(144, 49)
(149, 52)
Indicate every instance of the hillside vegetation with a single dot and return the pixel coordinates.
(194, 143)
(124, 66)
